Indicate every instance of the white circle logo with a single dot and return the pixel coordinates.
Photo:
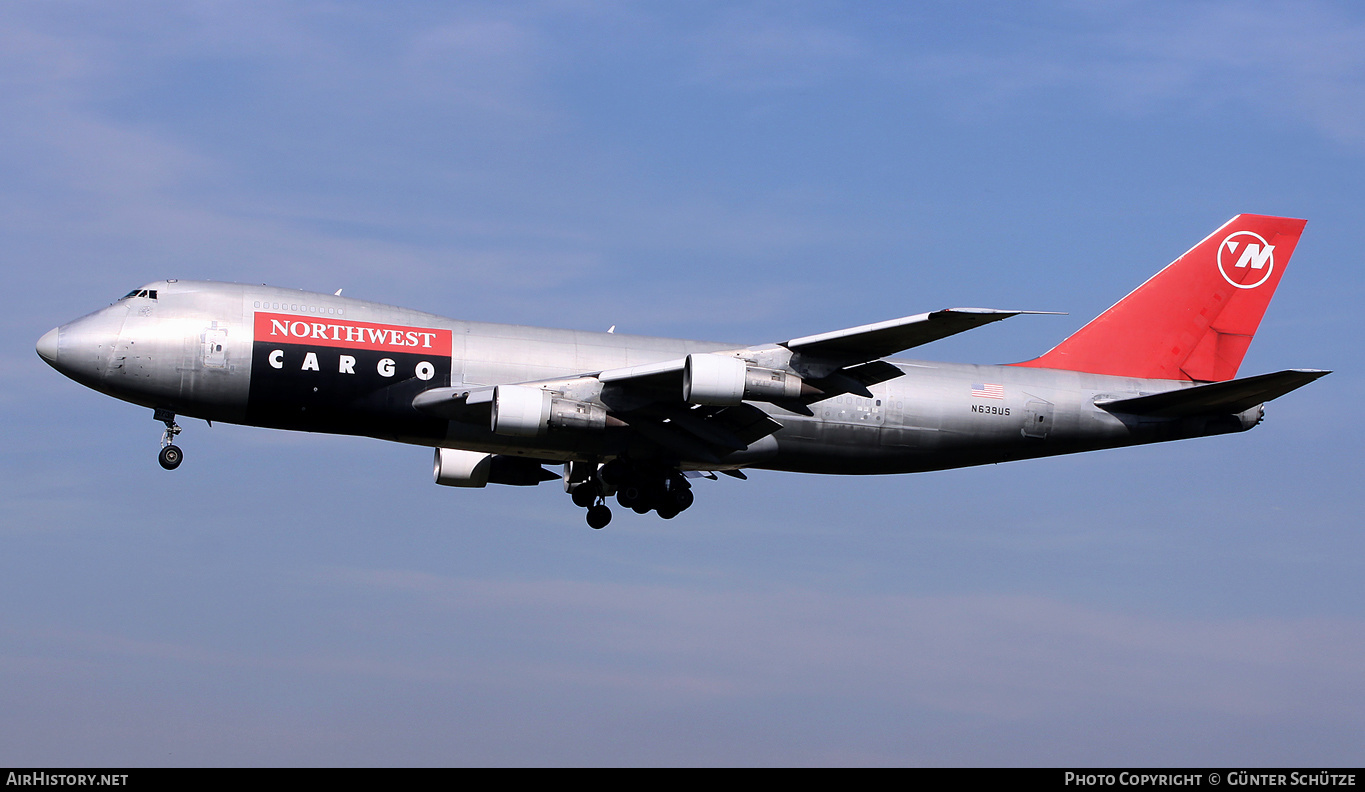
(1246, 259)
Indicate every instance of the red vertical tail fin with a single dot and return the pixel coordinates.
(1194, 319)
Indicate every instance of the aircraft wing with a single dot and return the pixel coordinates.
(842, 348)
(649, 398)
(876, 341)
(666, 376)
(700, 432)
(694, 431)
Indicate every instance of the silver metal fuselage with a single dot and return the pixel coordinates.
(194, 350)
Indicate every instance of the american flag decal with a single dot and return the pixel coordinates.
(988, 391)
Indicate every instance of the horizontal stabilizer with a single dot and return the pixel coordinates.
(1226, 398)
(875, 341)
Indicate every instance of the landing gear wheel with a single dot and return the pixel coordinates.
(599, 516)
(585, 494)
(170, 457)
(629, 496)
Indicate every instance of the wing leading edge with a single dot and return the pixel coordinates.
(875, 341)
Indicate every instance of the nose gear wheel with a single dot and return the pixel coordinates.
(171, 456)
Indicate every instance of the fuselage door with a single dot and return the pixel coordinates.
(1037, 419)
(215, 347)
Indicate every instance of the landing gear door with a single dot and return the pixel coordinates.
(215, 347)
(1037, 419)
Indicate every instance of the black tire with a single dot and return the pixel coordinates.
(584, 495)
(598, 517)
(667, 512)
(682, 499)
(170, 457)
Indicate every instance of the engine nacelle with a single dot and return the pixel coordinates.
(570, 414)
(723, 380)
(520, 411)
(456, 468)
(524, 411)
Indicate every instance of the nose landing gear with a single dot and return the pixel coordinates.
(171, 456)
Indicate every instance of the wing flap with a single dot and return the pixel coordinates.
(1229, 397)
(702, 433)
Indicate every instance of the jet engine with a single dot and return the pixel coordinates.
(457, 468)
(723, 380)
(524, 411)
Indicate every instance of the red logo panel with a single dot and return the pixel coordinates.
(332, 332)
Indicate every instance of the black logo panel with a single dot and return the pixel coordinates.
(345, 391)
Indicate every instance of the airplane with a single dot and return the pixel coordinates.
(639, 418)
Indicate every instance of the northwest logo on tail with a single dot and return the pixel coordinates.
(1254, 259)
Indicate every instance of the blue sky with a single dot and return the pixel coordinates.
(734, 171)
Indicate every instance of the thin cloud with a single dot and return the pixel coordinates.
(752, 51)
(996, 656)
(1298, 62)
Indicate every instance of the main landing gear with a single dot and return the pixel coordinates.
(640, 487)
(588, 495)
(171, 456)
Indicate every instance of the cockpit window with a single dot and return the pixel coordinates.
(132, 293)
(148, 293)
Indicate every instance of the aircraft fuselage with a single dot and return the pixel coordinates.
(297, 360)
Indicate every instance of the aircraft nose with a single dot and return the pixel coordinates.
(47, 346)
